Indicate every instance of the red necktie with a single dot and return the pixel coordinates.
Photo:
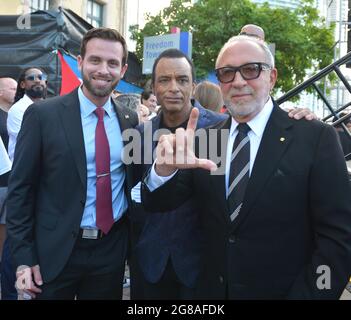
(104, 215)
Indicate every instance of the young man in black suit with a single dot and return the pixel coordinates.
(69, 189)
(277, 220)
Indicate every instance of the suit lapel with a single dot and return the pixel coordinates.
(276, 138)
(72, 124)
(218, 180)
(123, 118)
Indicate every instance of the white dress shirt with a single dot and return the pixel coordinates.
(257, 125)
(14, 122)
(5, 163)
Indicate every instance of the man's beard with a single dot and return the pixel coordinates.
(242, 109)
(36, 92)
(103, 92)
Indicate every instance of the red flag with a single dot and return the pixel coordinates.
(69, 79)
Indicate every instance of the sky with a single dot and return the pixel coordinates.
(137, 10)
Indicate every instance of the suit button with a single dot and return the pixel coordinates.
(232, 239)
(82, 203)
(221, 279)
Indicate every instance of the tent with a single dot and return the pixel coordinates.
(51, 40)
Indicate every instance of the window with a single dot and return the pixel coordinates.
(38, 5)
(94, 13)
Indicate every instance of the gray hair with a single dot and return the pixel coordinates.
(129, 100)
(263, 45)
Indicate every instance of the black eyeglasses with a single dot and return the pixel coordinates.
(40, 77)
(248, 71)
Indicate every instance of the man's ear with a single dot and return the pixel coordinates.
(22, 85)
(273, 77)
(193, 89)
(124, 70)
(80, 62)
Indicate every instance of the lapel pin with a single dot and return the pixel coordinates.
(282, 139)
(127, 116)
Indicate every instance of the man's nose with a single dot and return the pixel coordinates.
(103, 67)
(173, 85)
(238, 80)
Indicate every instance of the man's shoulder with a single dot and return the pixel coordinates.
(209, 118)
(19, 105)
(126, 112)
(49, 104)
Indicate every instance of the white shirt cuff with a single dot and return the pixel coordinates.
(154, 181)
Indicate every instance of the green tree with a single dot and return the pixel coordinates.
(302, 39)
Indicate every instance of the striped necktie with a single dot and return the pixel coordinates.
(239, 171)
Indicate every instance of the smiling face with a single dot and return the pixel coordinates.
(101, 69)
(173, 85)
(245, 98)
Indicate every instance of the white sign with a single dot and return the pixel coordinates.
(153, 46)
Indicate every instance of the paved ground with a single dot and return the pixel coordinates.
(126, 291)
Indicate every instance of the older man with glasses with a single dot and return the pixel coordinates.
(277, 219)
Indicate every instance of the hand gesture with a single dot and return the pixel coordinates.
(176, 151)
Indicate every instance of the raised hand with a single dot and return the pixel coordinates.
(176, 151)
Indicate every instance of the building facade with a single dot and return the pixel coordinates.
(106, 13)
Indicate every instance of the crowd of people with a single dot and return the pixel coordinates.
(253, 211)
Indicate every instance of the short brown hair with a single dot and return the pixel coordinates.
(105, 34)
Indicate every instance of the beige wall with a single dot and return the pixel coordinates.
(113, 16)
(11, 7)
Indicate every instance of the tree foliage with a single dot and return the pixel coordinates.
(302, 39)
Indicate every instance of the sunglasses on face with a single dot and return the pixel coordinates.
(40, 77)
(248, 71)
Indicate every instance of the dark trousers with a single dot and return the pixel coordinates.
(94, 270)
(8, 274)
(168, 288)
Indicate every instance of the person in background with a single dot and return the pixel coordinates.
(252, 30)
(32, 87)
(132, 101)
(149, 99)
(7, 96)
(209, 96)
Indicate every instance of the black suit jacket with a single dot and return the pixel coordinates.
(295, 218)
(174, 235)
(47, 187)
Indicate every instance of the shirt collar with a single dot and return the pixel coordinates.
(87, 107)
(26, 98)
(259, 122)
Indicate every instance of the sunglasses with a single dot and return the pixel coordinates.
(40, 77)
(248, 71)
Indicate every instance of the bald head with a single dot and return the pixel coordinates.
(253, 31)
(8, 88)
